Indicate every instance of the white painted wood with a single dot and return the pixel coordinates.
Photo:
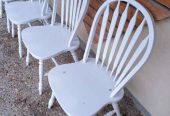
(67, 12)
(29, 24)
(116, 108)
(13, 30)
(74, 13)
(83, 92)
(83, 88)
(82, 12)
(40, 76)
(1, 9)
(125, 40)
(5, 1)
(102, 32)
(62, 11)
(8, 24)
(54, 12)
(24, 12)
(1, 12)
(39, 1)
(45, 8)
(118, 34)
(45, 22)
(132, 60)
(128, 50)
(19, 41)
(1, 6)
(78, 9)
(51, 101)
(71, 14)
(55, 62)
(73, 53)
(91, 36)
(111, 113)
(110, 33)
(27, 58)
(45, 42)
(36, 37)
(28, 54)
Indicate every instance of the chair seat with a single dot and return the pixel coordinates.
(45, 41)
(21, 12)
(82, 88)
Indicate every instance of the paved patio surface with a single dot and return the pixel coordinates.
(18, 83)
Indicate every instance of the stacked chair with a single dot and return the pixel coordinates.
(46, 42)
(1, 5)
(25, 12)
(84, 87)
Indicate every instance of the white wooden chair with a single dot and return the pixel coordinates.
(24, 12)
(1, 13)
(84, 87)
(1, 6)
(45, 42)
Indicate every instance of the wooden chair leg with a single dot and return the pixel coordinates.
(27, 58)
(19, 41)
(55, 62)
(116, 108)
(29, 24)
(73, 53)
(40, 76)
(13, 30)
(8, 24)
(51, 101)
(1, 9)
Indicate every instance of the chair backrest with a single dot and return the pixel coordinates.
(131, 45)
(72, 13)
(45, 7)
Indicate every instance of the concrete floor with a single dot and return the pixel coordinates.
(18, 85)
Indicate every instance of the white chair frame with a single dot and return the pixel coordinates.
(122, 71)
(1, 14)
(1, 6)
(72, 13)
(44, 14)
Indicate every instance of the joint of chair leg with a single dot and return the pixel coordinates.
(116, 108)
(73, 53)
